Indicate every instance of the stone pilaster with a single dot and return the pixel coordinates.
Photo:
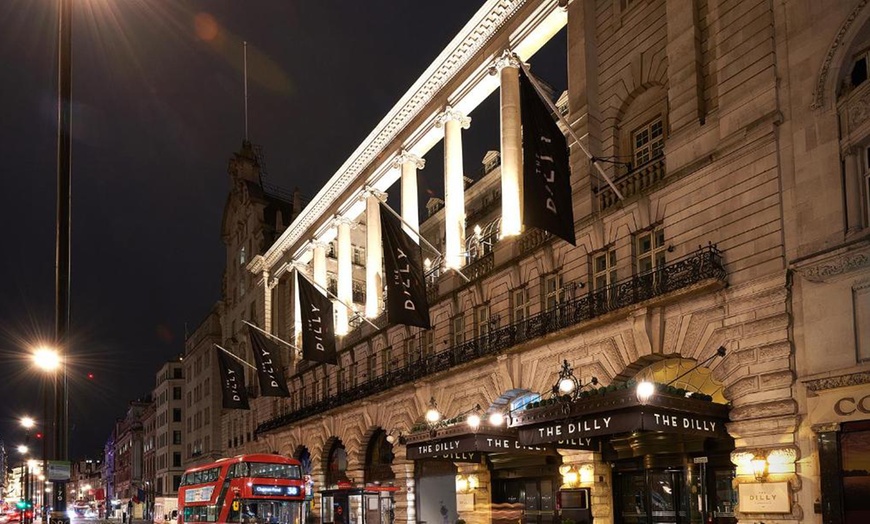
(686, 86)
(482, 513)
(596, 475)
(405, 508)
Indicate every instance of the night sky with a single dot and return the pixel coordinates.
(157, 112)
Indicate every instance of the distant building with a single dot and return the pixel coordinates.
(145, 494)
(254, 216)
(168, 444)
(107, 475)
(129, 459)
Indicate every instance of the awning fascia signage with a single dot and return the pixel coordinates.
(619, 412)
(461, 444)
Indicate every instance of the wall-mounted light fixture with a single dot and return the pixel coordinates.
(467, 484)
(433, 416)
(570, 476)
(759, 466)
(395, 436)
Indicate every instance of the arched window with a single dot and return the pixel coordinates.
(336, 468)
(379, 459)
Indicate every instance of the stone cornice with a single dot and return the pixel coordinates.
(471, 40)
(840, 381)
(834, 264)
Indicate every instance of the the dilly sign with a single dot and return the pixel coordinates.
(764, 497)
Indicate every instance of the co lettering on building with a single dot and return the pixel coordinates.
(848, 405)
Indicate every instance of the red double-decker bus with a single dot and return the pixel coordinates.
(247, 489)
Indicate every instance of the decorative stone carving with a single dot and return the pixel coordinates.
(835, 266)
(858, 111)
(405, 157)
(507, 59)
(453, 114)
(826, 428)
(840, 381)
(839, 40)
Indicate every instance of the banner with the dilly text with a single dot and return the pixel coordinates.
(547, 202)
(269, 371)
(406, 287)
(318, 324)
(232, 382)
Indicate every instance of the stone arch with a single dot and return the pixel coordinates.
(831, 68)
(377, 457)
(305, 458)
(334, 461)
(643, 104)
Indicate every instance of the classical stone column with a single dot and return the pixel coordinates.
(511, 145)
(319, 264)
(409, 164)
(454, 186)
(374, 254)
(345, 275)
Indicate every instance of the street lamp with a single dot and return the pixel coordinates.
(48, 360)
(27, 422)
(23, 449)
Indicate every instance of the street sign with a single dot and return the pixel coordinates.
(700, 460)
(58, 470)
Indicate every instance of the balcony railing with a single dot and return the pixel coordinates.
(701, 266)
(632, 182)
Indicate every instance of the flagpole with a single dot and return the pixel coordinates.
(558, 114)
(340, 301)
(263, 331)
(235, 357)
(416, 232)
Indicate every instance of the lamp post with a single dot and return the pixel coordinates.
(62, 272)
(47, 360)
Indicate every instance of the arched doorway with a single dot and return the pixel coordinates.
(336, 465)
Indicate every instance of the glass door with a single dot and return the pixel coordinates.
(664, 497)
(631, 498)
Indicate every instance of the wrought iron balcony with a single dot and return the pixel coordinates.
(702, 266)
(632, 183)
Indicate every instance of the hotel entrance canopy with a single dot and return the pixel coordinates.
(616, 412)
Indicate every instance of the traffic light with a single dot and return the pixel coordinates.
(90, 376)
(39, 435)
(21, 504)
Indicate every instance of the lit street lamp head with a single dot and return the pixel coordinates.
(27, 422)
(46, 359)
(23, 449)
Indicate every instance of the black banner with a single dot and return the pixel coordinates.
(318, 323)
(232, 382)
(406, 287)
(651, 419)
(272, 383)
(547, 202)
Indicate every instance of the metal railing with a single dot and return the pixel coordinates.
(702, 265)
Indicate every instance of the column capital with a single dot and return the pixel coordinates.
(453, 114)
(405, 157)
(507, 59)
(377, 193)
(314, 244)
(339, 220)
